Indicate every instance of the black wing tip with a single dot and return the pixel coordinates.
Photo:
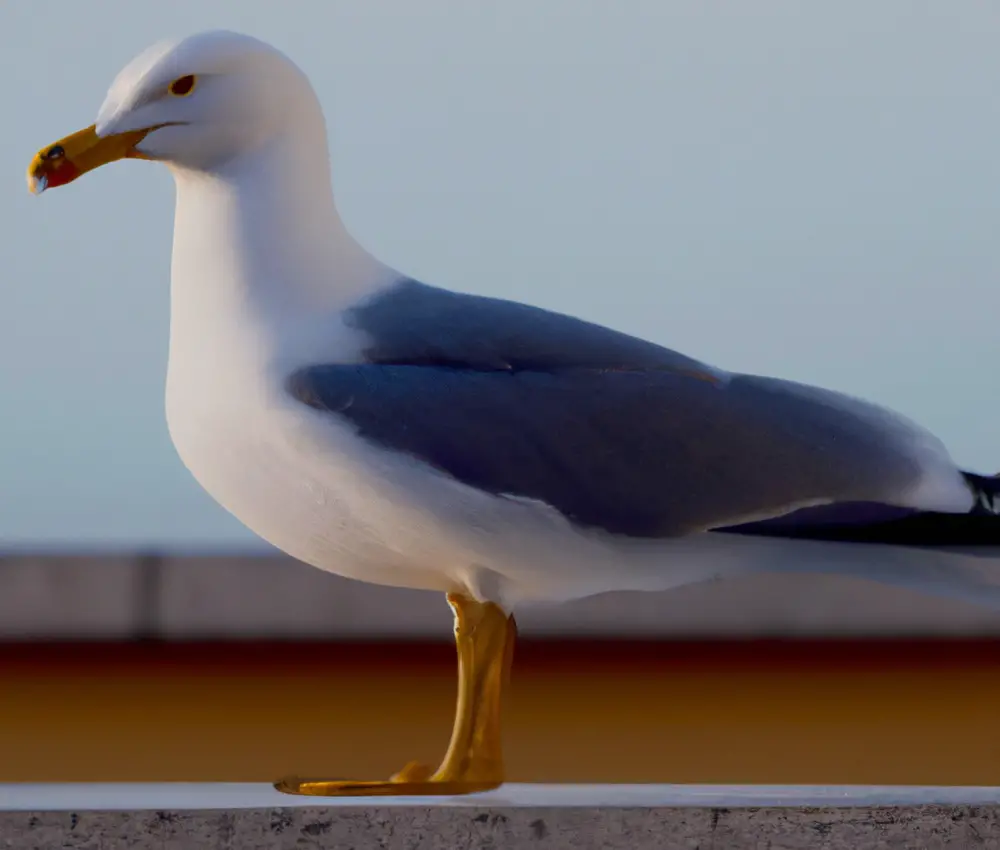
(870, 522)
(986, 492)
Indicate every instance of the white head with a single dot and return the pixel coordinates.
(196, 103)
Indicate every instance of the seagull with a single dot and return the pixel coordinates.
(398, 433)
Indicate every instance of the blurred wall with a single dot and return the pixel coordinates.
(127, 597)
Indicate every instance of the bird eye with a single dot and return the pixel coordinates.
(182, 86)
(55, 152)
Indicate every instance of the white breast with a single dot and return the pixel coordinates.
(282, 469)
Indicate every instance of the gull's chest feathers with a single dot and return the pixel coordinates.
(307, 483)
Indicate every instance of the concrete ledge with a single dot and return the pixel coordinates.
(927, 828)
(684, 817)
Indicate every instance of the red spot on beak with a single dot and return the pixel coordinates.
(60, 173)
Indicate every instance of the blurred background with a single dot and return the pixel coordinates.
(794, 189)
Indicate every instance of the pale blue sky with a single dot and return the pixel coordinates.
(810, 190)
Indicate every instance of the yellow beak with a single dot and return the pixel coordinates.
(62, 162)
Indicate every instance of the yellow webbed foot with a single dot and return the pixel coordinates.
(416, 780)
(484, 638)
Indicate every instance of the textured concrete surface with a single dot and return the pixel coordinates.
(271, 596)
(233, 816)
(372, 827)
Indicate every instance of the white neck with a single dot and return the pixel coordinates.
(260, 249)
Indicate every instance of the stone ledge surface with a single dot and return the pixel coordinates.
(539, 817)
(424, 828)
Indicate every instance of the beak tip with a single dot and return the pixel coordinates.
(37, 183)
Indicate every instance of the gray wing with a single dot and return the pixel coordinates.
(614, 432)
(644, 453)
(418, 324)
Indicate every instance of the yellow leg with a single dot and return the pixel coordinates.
(484, 638)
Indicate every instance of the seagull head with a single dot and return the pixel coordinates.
(196, 103)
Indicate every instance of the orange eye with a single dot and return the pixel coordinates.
(182, 86)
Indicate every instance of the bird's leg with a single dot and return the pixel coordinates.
(484, 638)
